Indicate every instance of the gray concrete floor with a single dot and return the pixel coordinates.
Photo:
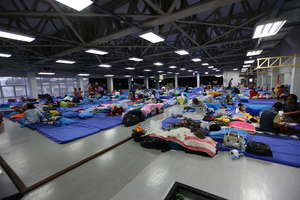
(7, 188)
(34, 157)
(131, 172)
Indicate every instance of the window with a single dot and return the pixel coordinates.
(56, 86)
(8, 91)
(13, 87)
(20, 91)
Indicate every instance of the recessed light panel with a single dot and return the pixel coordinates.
(152, 37)
(14, 36)
(66, 61)
(97, 52)
(268, 29)
(254, 52)
(135, 59)
(76, 4)
(182, 52)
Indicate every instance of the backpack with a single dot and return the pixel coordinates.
(133, 117)
(258, 148)
(232, 139)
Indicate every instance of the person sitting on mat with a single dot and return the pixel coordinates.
(229, 100)
(253, 93)
(267, 118)
(32, 115)
(291, 109)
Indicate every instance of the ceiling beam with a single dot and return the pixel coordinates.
(212, 24)
(196, 8)
(66, 20)
(69, 14)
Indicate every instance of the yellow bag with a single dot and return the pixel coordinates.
(54, 113)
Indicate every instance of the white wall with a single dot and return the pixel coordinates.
(227, 75)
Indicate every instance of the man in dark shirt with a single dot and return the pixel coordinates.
(291, 109)
(267, 117)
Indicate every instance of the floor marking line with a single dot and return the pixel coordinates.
(78, 164)
(17, 181)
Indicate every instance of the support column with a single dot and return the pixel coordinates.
(110, 84)
(295, 86)
(157, 82)
(32, 84)
(198, 80)
(146, 82)
(81, 85)
(176, 81)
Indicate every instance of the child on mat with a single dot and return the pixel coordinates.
(32, 115)
(242, 109)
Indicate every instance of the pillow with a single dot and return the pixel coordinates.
(64, 121)
(70, 114)
(85, 115)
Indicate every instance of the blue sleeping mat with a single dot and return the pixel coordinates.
(262, 101)
(255, 109)
(79, 129)
(215, 105)
(285, 150)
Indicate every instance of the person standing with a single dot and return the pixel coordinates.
(132, 89)
(230, 83)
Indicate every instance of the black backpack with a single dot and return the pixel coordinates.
(258, 148)
(133, 117)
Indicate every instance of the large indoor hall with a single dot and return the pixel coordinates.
(149, 99)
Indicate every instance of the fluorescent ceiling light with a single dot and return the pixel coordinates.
(14, 36)
(204, 64)
(66, 61)
(158, 64)
(128, 76)
(254, 52)
(249, 61)
(160, 71)
(177, 73)
(83, 74)
(182, 52)
(141, 76)
(147, 70)
(5, 55)
(217, 70)
(196, 60)
(152, 37)
(109, 75)
(76, 4)
(169, 72)
(268, 29)
(95, 51)
(210, 67)
(190, 70)
(105, 65)
(130, 68)
(245, 66)
(173, 67)
(206, 73)
(135, 59)
(182, 69)
(235, 69)
(46, 73)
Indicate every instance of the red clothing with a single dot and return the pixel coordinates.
(253, 93)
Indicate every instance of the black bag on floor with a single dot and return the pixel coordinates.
(258, 148)
(155, 143)
(133, 117)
